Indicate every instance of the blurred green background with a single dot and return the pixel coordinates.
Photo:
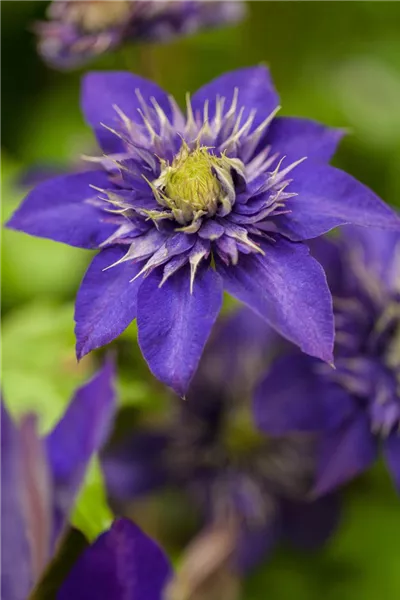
(337, 62)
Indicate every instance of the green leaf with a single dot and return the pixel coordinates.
(360, 561)
(92, 514)
(40, 370)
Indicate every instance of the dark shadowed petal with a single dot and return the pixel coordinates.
(238, 350)
(328, 252)
(106, 300)
(122, 564)
(379, 250)
(344, 453)
(256, 542)
(256, 92)
(135, 466)
(16, 569)
(308, 525)
(328, 197)
(293, 397)
(235, 356)
(57, 209)
(81, 432)
(103, 90)
(288, 288)
(174, 324)
(391, 449)
(296, 138)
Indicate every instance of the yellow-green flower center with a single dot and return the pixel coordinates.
(196, 183)
(96, 15)
(190, 181)
(241, 438)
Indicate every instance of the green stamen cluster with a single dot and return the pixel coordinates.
(195, 184)
(241, 437)
(190, 181)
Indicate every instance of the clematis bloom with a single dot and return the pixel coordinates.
(357, 406)
(243, 483)
(184, 206)
(78, 30)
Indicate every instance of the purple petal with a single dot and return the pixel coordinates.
(16, 570)
(294, 397)
(391, 450)
(174, 324)
(122, 564)
(81, 433)
(135, 467)
(288, 288)
(234, 357)
(57, 209)
(327, 198)
(296, 138)
(328, 252)
(106, 300)
(309, 525)
(256, 92)
(344, 453)
(256, 543)
(36, 495)
(211, 230)
(101, 91)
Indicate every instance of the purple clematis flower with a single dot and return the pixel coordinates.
(78, 30)
(184, 206)
(357, 406)
(210, 449)
(122, 564)
(40, 478)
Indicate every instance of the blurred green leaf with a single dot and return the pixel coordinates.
(360, 561)
(371, 109)
(92, 514)
(40, 371)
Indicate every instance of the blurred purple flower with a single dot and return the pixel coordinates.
(357, 406)
(183, 207)
(211, 450)
(78, 30)
(40, 479)
(122, 564)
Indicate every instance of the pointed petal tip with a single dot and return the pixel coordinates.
(80, 351)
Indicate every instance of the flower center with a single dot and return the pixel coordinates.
(196, 183)
(190, 180)
(96, 15)
(240, 437)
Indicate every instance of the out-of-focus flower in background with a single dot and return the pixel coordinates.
(249, 486)
(41, 478)
(186, 205)
(356, 406)
(78, 30)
